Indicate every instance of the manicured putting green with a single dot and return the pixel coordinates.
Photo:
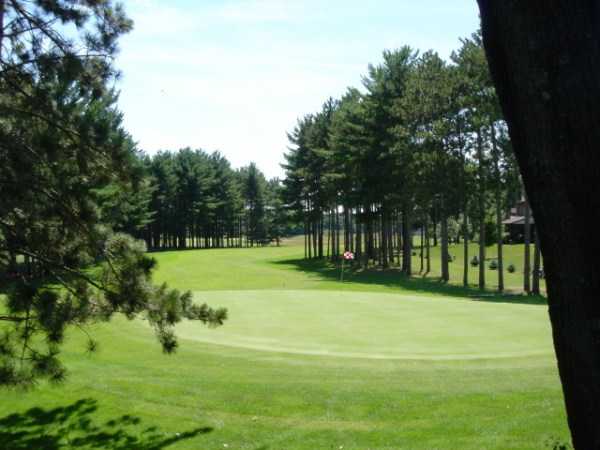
(374, 325)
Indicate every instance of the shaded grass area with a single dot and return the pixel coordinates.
(75, 426)
(393, 278)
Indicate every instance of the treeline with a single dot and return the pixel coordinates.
(194, 199)
(422, 146)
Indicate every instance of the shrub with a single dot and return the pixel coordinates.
(494, 265)
(475, 261)
(511, 268)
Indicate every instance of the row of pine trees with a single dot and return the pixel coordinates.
(421, 146)
(195, 199)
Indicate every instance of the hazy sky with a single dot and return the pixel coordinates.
(235, 75)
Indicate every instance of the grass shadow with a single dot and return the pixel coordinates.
(393, 278)
(73, 426)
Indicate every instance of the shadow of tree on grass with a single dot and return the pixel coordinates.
(73, 427)
(395, 279)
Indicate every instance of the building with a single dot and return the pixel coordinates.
(514, 224)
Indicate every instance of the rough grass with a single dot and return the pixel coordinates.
(305, 362)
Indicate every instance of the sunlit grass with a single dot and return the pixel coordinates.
(308, 362)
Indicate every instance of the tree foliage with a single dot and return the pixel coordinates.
(422, 144)
(66, 164)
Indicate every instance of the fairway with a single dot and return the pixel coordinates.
(294, 225)
(305, 362)
(375, 325)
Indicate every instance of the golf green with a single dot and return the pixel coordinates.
(375, 325)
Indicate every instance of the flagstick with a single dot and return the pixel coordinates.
(343, 260)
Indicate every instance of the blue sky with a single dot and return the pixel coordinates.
(235, 75)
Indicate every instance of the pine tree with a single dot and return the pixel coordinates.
(61, 145)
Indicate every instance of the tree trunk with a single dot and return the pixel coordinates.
(336, 252)
(407, 242)
(320, 232)
(305, 240)
(481, 204)
(465, 205)
(545, 60)
(309, 240)
(351, 223)
(315, 238)
(435, 234)
(358, 236)
(527, 239)
(498, 195)
(422, 255)
(384, 242)
(369, 237)
(390, 231)
(399, 243)
(427, 247)
(535, 287)
(465, 230)
(329, 233)
(444, 247)
(346, 230)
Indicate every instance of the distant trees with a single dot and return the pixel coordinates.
(422, 145)
(197, 200)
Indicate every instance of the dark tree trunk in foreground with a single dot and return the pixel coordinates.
(545, 60)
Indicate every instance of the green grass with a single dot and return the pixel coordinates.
(285, 268)
(306, 362)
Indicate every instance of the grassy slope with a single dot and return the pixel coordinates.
(222, 391)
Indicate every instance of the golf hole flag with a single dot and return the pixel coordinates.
(348, 256)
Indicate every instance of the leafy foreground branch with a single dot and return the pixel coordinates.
(62, 144)
(39, 313)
